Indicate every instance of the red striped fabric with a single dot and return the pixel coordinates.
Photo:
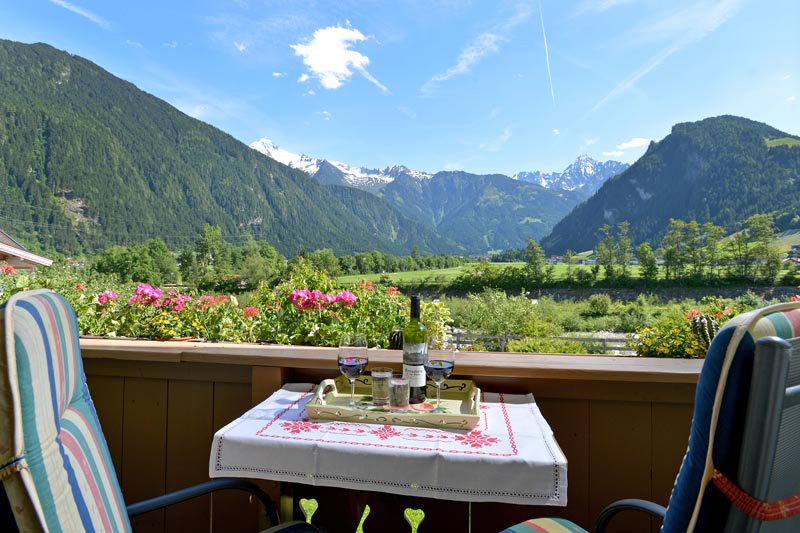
(764, 511)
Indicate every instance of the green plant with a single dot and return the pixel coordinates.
(545, 345)
(599, 304)
(704, 327)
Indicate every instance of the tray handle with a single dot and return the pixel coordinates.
(325, 386)
(473, 398)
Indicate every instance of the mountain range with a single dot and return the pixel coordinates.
(480, 212)
(88, 160)
(584, 175)
(720, 170)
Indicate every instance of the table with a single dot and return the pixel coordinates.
(510, 457)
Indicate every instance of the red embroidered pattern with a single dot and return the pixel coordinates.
(385, 432)
(300, 426)
(764, 511)
(476, 439)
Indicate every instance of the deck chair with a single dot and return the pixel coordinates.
(741, 472)
(54, 462)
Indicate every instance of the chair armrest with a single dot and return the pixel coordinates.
(612, 510)
(204, 488)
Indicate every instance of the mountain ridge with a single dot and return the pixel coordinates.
(719, 170)
(88, 160)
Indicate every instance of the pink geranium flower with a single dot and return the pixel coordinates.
(107, 296)
(251, 312)
(346, 298)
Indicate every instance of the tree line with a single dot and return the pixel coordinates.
(212, 263)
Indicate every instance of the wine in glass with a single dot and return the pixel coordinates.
(352, 360)
(438, 366)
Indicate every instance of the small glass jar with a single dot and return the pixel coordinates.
(380, 385)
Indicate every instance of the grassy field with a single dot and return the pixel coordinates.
(787, 239)
(788, 141)
(445, 274)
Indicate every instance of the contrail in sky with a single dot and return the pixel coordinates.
(547, 54)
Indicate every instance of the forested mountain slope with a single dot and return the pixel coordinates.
(87, 160)
(481, 212)
(719, 170)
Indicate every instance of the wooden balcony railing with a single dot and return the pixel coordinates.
(622, 422)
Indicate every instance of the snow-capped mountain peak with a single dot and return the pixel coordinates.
(584, 174)
(335, 172)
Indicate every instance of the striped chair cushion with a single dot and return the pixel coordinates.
(55, 463)
(719, 412)
(545, 525)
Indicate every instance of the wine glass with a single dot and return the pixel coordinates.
(352, 360)
(439, 365)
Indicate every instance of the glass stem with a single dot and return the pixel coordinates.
(353, 392)
(438, 395)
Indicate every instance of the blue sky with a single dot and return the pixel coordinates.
(485, 86)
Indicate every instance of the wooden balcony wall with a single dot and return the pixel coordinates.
(623, 424)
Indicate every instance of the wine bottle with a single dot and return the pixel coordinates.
(415, 351)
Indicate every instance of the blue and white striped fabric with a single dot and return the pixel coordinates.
(54, 461)
(715, 440)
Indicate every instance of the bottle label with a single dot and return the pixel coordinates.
(415, 374)
(414, 354)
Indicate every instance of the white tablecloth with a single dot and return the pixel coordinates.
(510, 457)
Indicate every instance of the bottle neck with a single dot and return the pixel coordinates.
(415, 307)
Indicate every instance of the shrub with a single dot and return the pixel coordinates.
(492, 312)
(599, 304)
(545, 345)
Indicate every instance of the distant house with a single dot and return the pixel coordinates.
(17, 256)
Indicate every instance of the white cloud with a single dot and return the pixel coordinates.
(786, 77)
(240, 45)
(137, 44)
(556, 131)
(636, 142)
(329, 57)
(598, 6)
(791, 98)
(278, 74)
(589, 142)
(195, 110)
(616, 153)
(484, 44)
(496, 144)
(325, 114)
(682, 29)
(311, 92)
(171, 44)
(303, 78)
(407, 111)
(85, 13)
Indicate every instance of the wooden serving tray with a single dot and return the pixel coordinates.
(460, 399)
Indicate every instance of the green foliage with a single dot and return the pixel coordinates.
(545, 345)
(599, 304)
(492, 312)
(647, 262)
(149, 262)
